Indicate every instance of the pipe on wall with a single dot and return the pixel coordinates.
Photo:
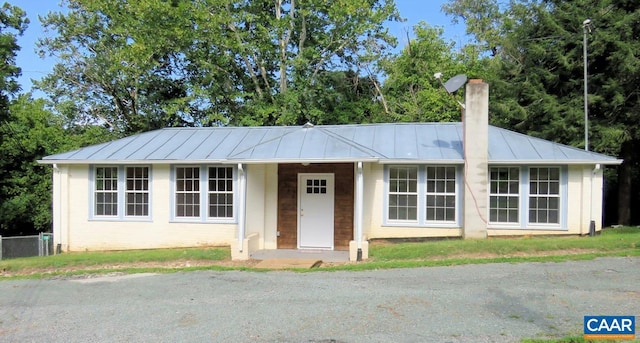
(359, 204)
(242, 176)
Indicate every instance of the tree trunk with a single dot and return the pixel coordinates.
(624, 184)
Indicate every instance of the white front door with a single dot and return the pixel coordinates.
(315, 211)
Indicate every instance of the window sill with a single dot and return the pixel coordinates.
(531, 227)
(428, 225)
(200, 221)
(121, 219)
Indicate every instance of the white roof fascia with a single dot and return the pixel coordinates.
(306, 160)
(132, 162)
(416, 161)
(562, 162)
(235, 161)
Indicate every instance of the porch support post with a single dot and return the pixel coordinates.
(242, 193)
(359, 200)
(359, 250)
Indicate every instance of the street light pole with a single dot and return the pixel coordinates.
(585, 27)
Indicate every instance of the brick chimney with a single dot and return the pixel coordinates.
(476, 156)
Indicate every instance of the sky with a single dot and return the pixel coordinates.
(33, 67)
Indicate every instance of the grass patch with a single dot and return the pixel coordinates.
(382, 255)
(611, 240)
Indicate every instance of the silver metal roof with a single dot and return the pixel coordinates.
(383, 143)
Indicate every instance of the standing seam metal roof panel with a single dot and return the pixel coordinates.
(172, 144)
(410, 142)
(364, 136)
(193, 139)
(149, 146)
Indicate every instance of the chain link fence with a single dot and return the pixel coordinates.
(26, 246)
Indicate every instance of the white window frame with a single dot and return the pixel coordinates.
(121, 194)
(100, 189)
(495, 192)
(436, 193)
(218, 193)
(421, 220)
(547, 183)
(193, 182)
(204, 192)
(138, 189)
(406, 205)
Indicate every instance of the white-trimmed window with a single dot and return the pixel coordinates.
(204, 193)
(504, 195)
(422, 195)
(137, 192)
(187, 192)
(441, 193)
(544, 195)
(403, 193)
(106, 191)
(220, 192)
(120, 192)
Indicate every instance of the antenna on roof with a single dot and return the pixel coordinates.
(452, 85)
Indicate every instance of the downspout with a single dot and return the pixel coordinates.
(57, 220)
(242, 206)
(359, 206)
(592, 223)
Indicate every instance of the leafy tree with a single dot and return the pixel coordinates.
(413, 92)
(121, 64)
(537, 54)
(32, 132)
(13, 22)
(140, 65)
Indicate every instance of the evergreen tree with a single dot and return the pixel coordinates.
(537, 52)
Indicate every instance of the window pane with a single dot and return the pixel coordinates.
(393, 213)
(554, 188)
(450, 214)
(431, 186)
(393, 185)
(514, 187)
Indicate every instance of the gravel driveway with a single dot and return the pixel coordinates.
(472, 303)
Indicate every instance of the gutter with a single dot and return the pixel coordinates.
(242, 206)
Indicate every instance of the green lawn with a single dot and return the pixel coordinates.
(612, 242)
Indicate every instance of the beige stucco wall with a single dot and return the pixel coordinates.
(76, 232)
(262, 202)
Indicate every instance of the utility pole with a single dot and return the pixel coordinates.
(586, 27)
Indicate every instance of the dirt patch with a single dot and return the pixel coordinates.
(183, 264)
(175, 264)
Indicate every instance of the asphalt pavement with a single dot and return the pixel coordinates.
(472, 303)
